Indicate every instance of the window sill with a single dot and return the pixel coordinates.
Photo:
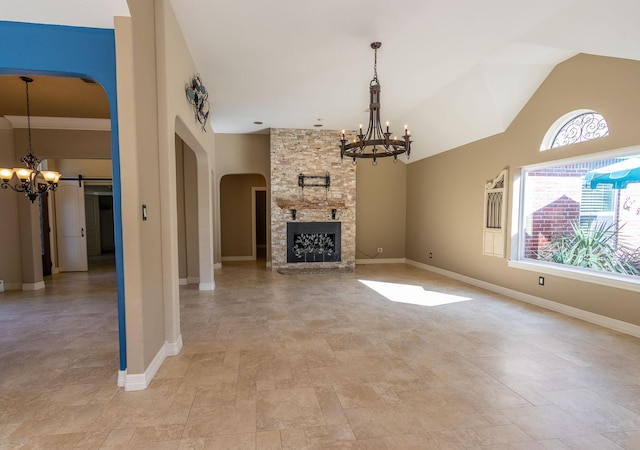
(627, 282)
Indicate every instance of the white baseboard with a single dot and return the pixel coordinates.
(12, 286)
(182, 281)
(173, 348)
(140, 381)
(238, 258)
(207, 286)
(381, 261)
(217, 265)
(33, 286)
(607, 322)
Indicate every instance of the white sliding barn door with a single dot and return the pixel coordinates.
(71, 227)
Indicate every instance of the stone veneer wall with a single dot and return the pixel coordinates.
(314, 153)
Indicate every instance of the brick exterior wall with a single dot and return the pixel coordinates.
(558, 194)
(312, 153)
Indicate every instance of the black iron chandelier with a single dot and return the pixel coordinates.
(376, 143)
(30, 179)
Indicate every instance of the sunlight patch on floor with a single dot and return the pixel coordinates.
(412, 294)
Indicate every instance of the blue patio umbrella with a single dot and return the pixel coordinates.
(619, 174)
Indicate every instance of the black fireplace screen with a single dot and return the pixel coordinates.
(313, 242)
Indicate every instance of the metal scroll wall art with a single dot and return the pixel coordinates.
(199, 98)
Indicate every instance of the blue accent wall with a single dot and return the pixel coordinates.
(35, 49)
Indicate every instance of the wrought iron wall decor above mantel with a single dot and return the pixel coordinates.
(317, 181)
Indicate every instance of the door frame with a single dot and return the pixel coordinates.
(88, 181)
(254, 193)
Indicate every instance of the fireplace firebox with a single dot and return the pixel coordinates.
(313, 242)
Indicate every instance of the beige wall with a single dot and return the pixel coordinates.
(65, 143)
(153, 65)
(97, 168)
(240, 154)
(138, 124)
(380, 209)
(236, 214)
(11, 260)
(445, 192)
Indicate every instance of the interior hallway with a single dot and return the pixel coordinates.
(317, 361)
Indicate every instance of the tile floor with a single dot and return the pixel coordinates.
(314, 361)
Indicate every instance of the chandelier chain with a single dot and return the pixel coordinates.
(375, 65)
(28, 116)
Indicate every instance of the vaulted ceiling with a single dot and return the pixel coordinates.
(454, 71)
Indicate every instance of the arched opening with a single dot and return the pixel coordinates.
(187, 203)
(85, 54)
(243, 217)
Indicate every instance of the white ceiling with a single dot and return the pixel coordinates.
(455, 71)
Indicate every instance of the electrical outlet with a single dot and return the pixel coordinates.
(430, 255)
(379, 249)
(541, 281)
(1, 285)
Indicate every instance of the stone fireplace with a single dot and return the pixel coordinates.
(313, 202)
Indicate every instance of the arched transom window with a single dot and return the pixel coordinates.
(577, 126)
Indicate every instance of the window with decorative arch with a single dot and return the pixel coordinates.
(574, 127)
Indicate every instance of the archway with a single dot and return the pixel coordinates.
(242, 230)
(75, 52)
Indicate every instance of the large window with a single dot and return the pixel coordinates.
(583, 214)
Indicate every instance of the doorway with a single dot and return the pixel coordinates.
(260, 223)
(100, 226)
(243, 217)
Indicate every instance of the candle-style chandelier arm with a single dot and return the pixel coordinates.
(375, 143)
(30, 180)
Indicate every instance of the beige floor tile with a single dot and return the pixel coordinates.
(330, 405)
(286, 408)
(219, 420)
(53, 441)
(192, 444)
(119, 437)
(627, 439)
(548, 422)
(329, 434)
(500, 434)
(293, 438)
(158, 433)
(244, 441)
(268, 440)
(358, 396)
(316, 362)
(370, 423)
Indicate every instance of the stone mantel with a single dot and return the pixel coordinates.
(305, 204)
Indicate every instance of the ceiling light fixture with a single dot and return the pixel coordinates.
(375, 143)
(31, 180)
